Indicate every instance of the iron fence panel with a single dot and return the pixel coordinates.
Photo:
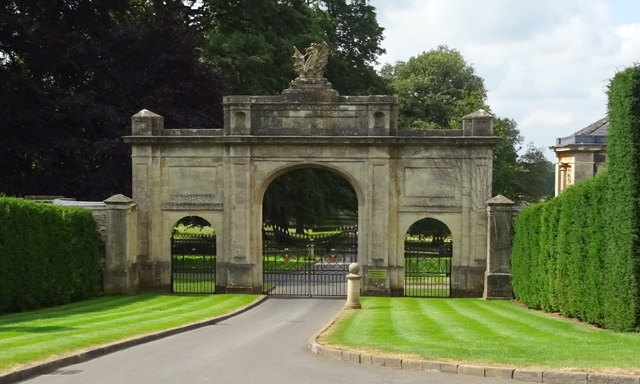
(308, 265)
(427, 268)
(193, 263)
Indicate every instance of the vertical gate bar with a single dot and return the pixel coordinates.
(172, 267)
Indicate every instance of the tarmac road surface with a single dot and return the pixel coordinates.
(265, 345)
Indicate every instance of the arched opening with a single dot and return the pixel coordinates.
(427, 259)
(309, 233)
(193, 256)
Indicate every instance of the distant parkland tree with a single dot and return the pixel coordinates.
(437, 88)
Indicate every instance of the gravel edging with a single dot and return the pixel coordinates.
(526, 375)
(53, 365)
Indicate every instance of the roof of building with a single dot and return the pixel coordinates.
(595, 133)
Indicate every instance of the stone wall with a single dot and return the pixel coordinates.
(97, 208)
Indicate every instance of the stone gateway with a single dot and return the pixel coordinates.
(221, 175)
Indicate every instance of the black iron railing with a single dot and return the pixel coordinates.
(308, 264)
(193, 263)
(427, 268)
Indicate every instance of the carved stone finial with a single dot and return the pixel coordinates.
(311, 66)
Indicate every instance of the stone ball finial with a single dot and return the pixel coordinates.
(354, 268)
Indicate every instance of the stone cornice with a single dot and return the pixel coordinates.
(316, 140)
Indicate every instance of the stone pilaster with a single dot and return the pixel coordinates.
(497, 277)
(120, 275)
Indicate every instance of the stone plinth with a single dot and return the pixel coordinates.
(497, 283)
(120, 275)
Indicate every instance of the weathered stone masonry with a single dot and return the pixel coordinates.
(399, 177)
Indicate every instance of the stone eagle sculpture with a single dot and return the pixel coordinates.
(311, 65)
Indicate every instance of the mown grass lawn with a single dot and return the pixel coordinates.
(487, 332)
(38, 335)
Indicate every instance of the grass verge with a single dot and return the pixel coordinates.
(32, 336)
(483, 332)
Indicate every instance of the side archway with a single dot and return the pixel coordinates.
(428, 253)
(193, 256)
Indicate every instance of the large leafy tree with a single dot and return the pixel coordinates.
(73, 73)
(351, 28)
(505, 158)
(250, 42)
(435, 88)
(534, 181)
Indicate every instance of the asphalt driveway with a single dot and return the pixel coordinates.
(265, 345)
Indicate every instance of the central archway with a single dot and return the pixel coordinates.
(310, 237)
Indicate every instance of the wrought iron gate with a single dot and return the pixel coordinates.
(308, 265)
(193, 263)
(427, 268)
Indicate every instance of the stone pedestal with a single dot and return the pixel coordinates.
(353, 287)
(497, 277)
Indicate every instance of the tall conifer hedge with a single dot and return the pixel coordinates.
(48, 254)
(623, 147)
(579, 254)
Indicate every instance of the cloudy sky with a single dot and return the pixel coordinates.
(546, 63)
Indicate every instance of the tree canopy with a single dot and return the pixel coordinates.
(436, 89)
(244, 38)
(74, 72)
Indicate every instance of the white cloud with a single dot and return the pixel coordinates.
(546, 63)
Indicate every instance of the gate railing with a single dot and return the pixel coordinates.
(193, 263)
(427, 268)
(307, 264)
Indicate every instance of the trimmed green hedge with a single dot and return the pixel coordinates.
(579, 254)
(623, 148)
(48, 254)
(559, 251)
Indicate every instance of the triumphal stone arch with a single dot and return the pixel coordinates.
(399, 176)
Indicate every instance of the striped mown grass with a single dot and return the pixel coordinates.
(28, 337)
(483, 332)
